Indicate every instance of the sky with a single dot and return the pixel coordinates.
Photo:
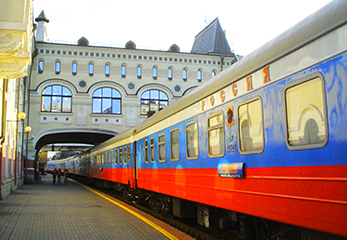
(157, 24)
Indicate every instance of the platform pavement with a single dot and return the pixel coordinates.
(47, 211)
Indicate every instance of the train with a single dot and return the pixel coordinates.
(259, 150)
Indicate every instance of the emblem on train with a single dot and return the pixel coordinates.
(232, 170)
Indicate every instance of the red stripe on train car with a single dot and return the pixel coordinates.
(313, 197)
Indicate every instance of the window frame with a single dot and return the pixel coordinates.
(257, 98)
(123, 66)
(297, 83)
(147, 102)
(120, 156)
(113, 100)
(116, 157)
(139, 71)
(199, 75)
(91, 71)
(197, 129)
(185, 74)
(155, 72)
(160, 143)
(215, 128)
(151, 146)
(40, 69)
(146, 151)
(61, 97)
(171, 131)
(57, 67)
(170, 73)
(74, 63)
(107, 70)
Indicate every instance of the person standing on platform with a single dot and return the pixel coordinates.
(59, 176)
(65, 176)
(55, 172)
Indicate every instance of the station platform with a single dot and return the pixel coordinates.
(72, 211)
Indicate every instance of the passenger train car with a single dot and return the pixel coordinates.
(260, 148)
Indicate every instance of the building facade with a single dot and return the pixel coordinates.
(81, 88)
(16, 31)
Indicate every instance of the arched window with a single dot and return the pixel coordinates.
(184, 74)
(74, 68)
(169, 73)
(107, 101)
(199, 75)
(57, 67)
(40, 66)
(139, 72)
(153, 100)
(56, 98)
(107, 70)
(123, 70)
(155, 73)
(213, 73)
(91, 69)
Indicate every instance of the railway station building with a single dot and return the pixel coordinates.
(81, 93)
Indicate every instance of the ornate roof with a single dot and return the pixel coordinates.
(42, 17)
(212, 40)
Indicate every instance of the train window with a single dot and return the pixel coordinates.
(306, 114)
(129, 154)
(116, 156)
(111, 158)
(120, 155)
(192, 144)
(251, 135)
(216, 135)
(146, 151)
(107, 158)
(125, 155)
(174, 145)
(161, 147)
(152, 150)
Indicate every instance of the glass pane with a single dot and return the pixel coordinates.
(74, 68)
(56, 104)
(213, 73)
(106, 106)
(91, 69)
(47, 91)
(144, 108)
(146, 151)
(46, 104)
(106, 92)
(96, 105)
(192, 140)
(162, 104)
(115, 93)
(139, 71)
(184, 74)
(152, 150)
(107, 70)
(66, 92)
(161, 141)
(40, 66)
(154, 106)
(251, 126)
(163, 96)
(169, 73)
(175, 146)
(57, 90)
(123, 71)
(121, 156)
(145, 95)
(305, 112)
(66, 104)
(115, 106)
(215, 141)
(116, 156)
(154, 94)
(154, 72)
(198, 75)
(97, 93)
(216, 135)
(57, 67)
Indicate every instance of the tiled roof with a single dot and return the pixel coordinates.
(212, 40)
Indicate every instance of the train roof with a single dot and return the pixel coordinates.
(311, 28)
